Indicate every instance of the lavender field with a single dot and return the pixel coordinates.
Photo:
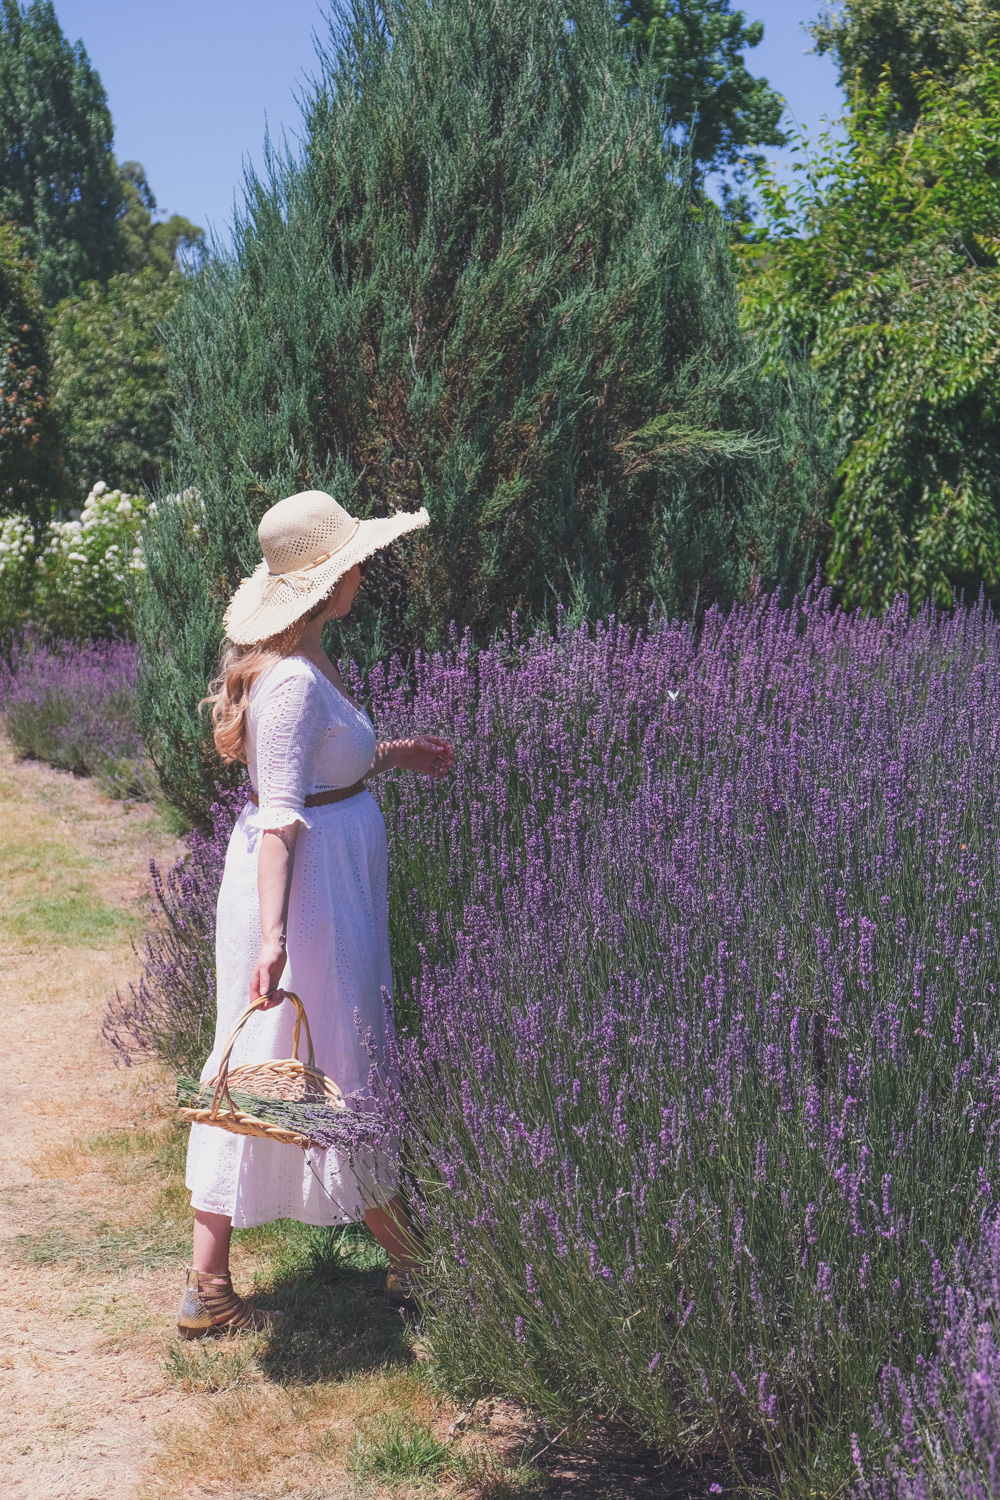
(696, 967)
(71, 703)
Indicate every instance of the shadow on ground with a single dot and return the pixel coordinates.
(330, 1286)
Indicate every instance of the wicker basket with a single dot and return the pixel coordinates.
(287, 1078)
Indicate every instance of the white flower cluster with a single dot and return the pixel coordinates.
(102, 544)
(15, 546)
(77, 579)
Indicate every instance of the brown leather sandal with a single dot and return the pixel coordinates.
(403, 1287)
(209, 1305)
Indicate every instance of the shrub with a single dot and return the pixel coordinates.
(700, 1080)
(17, 573)
(170, 1013)
(78, 580)
(483, 286)
(942, 1422)
(84, 567)
(695, 967)
(73, 706)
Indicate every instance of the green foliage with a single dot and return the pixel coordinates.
(905, 39)
(30, 465)
(395, 1449)
(483, 287)
(882, 261)
(109, 378)
(148, 244)
(697, 46)
(58, 176)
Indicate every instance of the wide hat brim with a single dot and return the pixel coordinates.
(265, 604)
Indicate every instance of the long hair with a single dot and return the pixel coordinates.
(239, 668)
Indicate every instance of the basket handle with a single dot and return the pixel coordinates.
(301, 1019)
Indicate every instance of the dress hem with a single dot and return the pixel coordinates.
(343, 1218)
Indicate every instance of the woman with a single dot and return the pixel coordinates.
(303, 895)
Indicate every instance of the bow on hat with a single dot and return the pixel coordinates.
(295, 578)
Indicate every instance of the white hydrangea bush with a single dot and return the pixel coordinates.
(77, 581)
(16, 548)
(17, 556)
(83, 566)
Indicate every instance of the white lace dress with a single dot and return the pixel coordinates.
(304, 736)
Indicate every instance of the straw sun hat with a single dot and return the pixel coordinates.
(308, 542)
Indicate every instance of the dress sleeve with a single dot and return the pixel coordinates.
(289, 724)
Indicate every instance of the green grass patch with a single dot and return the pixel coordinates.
(147, 1167)
(59, 901)
(391, 1448)
(212, 1366)
(76, 918)
(104, 1247)
(330, 1285)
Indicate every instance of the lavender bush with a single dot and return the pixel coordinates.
(170, 1012)
(704, 1056)
(941, 1423)
(695, 962)
(73, 705)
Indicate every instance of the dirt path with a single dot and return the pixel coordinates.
(82, 1387)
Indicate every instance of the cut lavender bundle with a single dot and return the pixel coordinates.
(324, 1125)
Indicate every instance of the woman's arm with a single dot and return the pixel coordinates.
(428, 753)
(274, 882)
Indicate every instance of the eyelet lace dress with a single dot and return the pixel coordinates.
(304, 736)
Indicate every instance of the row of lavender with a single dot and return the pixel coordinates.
(702, 1091)
(72, 704)
(696, 957)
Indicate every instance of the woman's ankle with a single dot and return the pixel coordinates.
(210, 1249)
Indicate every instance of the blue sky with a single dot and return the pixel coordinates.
(193, 83)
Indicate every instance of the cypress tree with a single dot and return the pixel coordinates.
(58, 177)
(484, 286)
(31, 470)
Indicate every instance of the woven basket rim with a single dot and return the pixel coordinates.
(238, 1122)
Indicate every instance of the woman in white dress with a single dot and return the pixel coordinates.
(303, 899)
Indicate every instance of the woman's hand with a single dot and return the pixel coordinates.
(428, 754)
(264, 979)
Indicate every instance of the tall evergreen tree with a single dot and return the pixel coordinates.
(31, 474)
(58, 176)
(712, 98)
(481, 287)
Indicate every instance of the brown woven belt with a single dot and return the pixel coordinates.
(322, 799)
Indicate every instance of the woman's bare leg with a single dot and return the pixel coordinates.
(391, 1227)
(388, 1223)
(212, 1233)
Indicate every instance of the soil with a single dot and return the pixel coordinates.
(83, 1386)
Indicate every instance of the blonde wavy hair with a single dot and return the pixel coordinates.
(239, 668)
